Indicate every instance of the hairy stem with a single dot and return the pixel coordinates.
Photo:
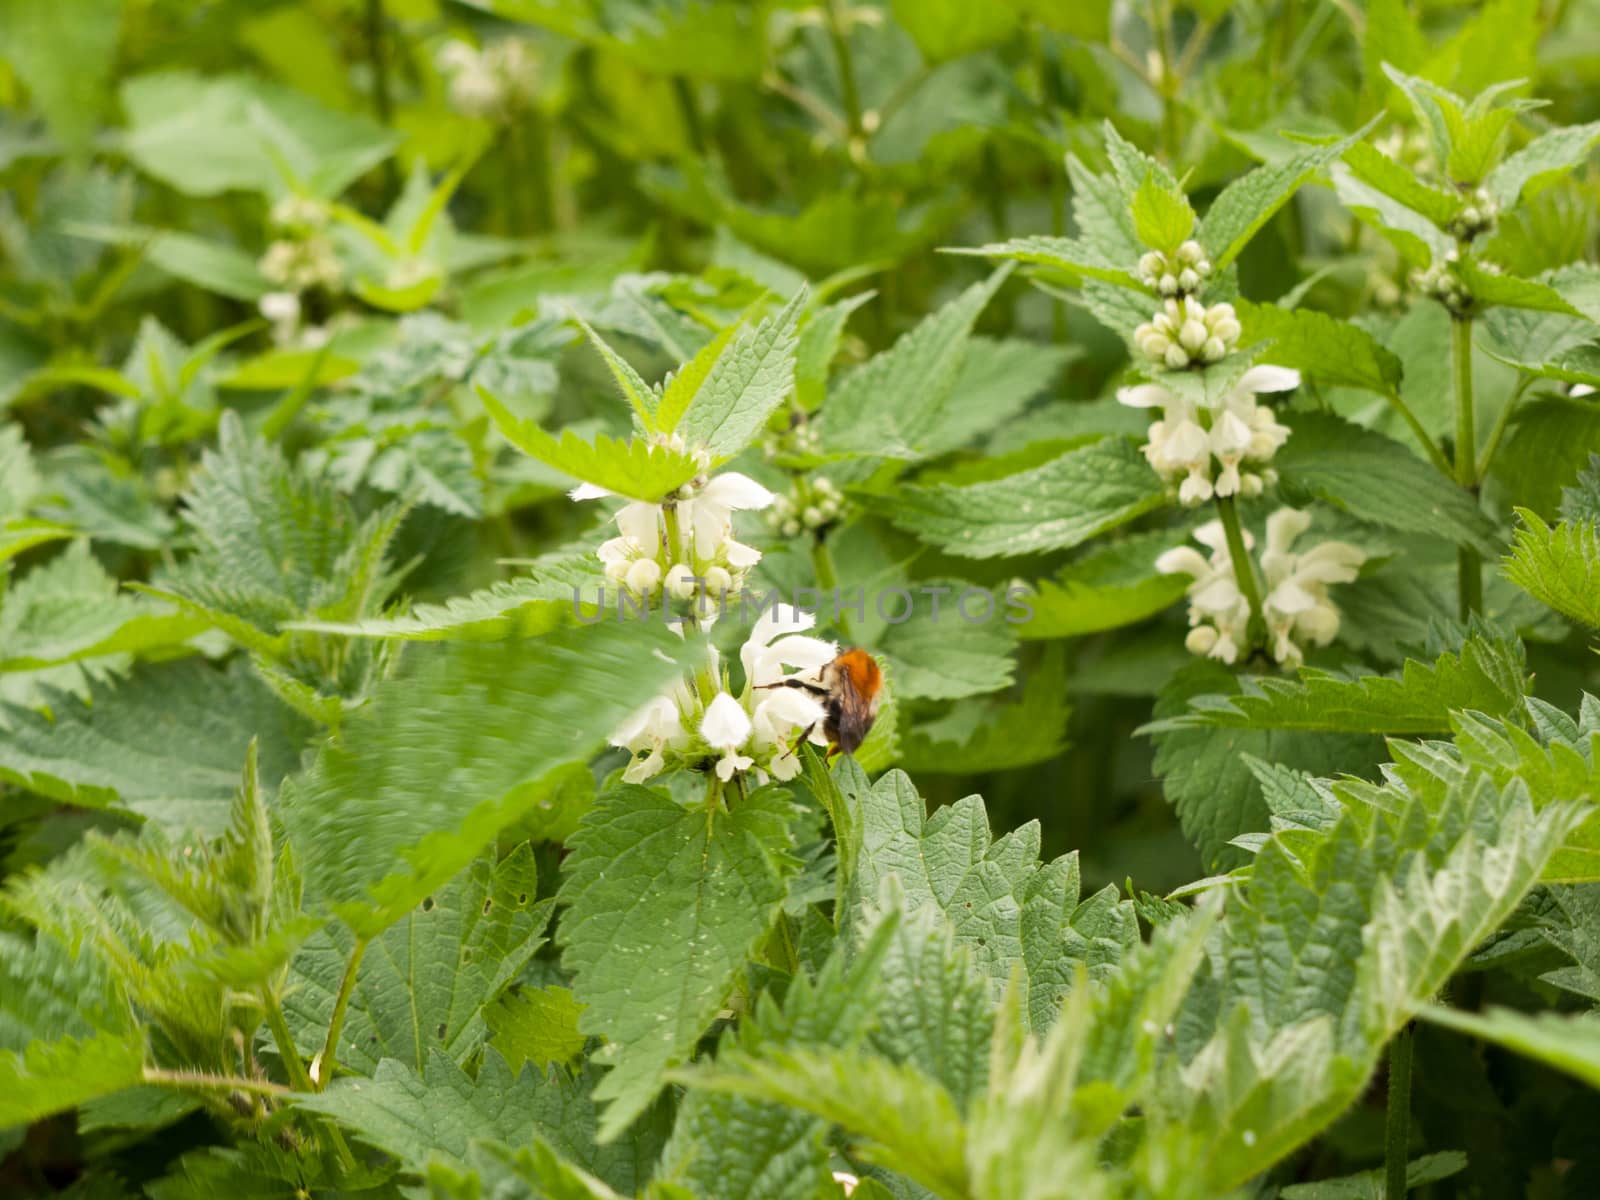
(1244, 569)
(1469, 566)
(204, 1080)
(1435, 455)
(299, 1077)
(327, 1061)
(1397, 1126)
(1500, 424)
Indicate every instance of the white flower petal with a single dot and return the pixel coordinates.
(1144, 395)
(1283, 527)
(589, 491)
(805, 655)
(731, 490)
(1185, 560)
(739, 555)
(641, 523)
(786, 706)
(1269, 379)
(726, 725)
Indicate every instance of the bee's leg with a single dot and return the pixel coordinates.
(816, 689)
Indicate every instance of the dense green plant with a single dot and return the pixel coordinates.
(420, 421)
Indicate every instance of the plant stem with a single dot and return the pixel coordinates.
(1397, 1127)
(1431, 447)
(839, 32)
(204, 1079)
(1500, 425)
(341, 1004)
(1244, 569)
(828, 581)
(299, 1077)
(1469, 566)
(1169, 81)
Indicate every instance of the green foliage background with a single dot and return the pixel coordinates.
(318, 874)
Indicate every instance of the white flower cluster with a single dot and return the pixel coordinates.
(1476, 218)
(1187, 332)
(301, 256)
(644, 557)
(1220, 451)
(1441, 282)
(759, 730)
(495, 82)
(818, 502)
(1295, 605)
(1177, 274)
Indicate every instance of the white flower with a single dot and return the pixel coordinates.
(1296, 607)
(779, 715)
(846, 1181)
(1215, 451)
(726, 727)
(709, 515)
(776, 642)
(654, 728)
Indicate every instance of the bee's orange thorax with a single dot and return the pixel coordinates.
(862, 670)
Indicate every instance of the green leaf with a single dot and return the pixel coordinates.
(64, 57)
(1077, 258)
(817, 346)
(204, 136)
(896, 403)
(664, 904)
(537, 1025)
(527, 606)
(1002, 904)
(51, 1077)
(1250, 201)
(641, 397)
(939, 654)
(751, 378)
(424, 982)
(998, 734)
(1400, 183)
(1161, 216)
(945, 29)
(1487, 675)
(1205, 773)
(636, 468)
(908, 1122)
(495, 1169)
(1490, 289)
(166, 744)
(1580, 364)
(1321, 347)
(444, 758)
(1108, 588)
(1569, 1043)
(1377, 479)
(1558, 566)
(1052, 507)
(1560, 150)
(437, 1112)
(1549, 444)
(1369, 1185)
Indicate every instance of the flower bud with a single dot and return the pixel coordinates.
(680, 581)
(1151, 264)
(1168, 285)
(1192, 336)
(1191, 252)
(1188, 279)
(1176, 358)
(1213, 350)
(643, 575)
(718, 580)
(1200, 640)
(617, 571)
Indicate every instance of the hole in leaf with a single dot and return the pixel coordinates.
(427, 904)
(487, 905)
(522, 897)
(440, 1031)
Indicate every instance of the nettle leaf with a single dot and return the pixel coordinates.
(635, 468)
(1491, 288)
(1581, 502)
(641, 397)
(664, 904)
(1558, 566)
(1052, 507)
(1579, 364)
(1418, 240)
(1161, 215)
(1567, 1042)
(1377, 479)
(818, 344)
(446, 756)
(67, 1034)
(496, 1169)
(1002, 903)
(559, 591)
(1205, 772)
(1559, 150)
(1401, 184)
(1547, 448)
(1250, 201)
(940, 654)
(751, 378)
(423, 982)
(1488, 674)
(1324, 348)
(417, 1116)
(1000, 734)
(1110, 587)
(996, 381)
(166, 744)
(1071, 256)
(537, 1025)
(895, 404)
